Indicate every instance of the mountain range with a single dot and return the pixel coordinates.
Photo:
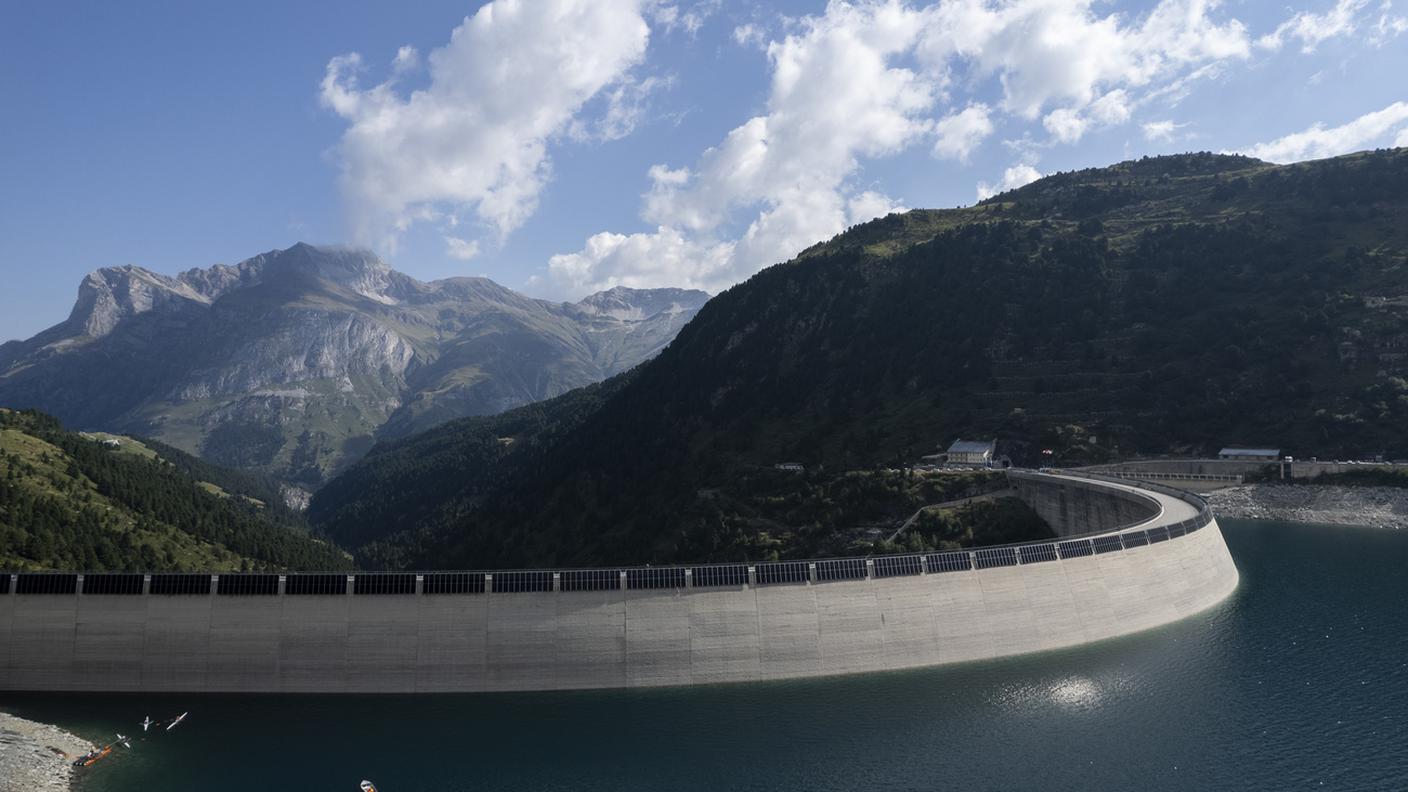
(1163, 305)
(296, 361)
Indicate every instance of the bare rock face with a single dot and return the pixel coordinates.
(295, 361)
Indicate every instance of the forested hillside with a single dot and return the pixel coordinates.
(1172, 304)
(78, 503)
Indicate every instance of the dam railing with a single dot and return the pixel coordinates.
(629, 578)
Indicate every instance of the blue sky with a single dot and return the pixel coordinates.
(561, 146)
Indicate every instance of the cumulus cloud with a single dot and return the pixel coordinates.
(836, 96)
(1016, 176)
(475, 139)
(1065, 124)
(960, 133)
(1320, 141)
(1064, 53)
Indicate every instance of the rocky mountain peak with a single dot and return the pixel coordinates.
(633, 305)
(109, 295)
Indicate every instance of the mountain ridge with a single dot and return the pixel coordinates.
(293, 361)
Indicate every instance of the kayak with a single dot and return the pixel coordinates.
(177, 721)
(92, 756)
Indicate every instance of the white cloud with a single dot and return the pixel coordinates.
(865, 80)
(462, 249)
(1319, 141)
(1402, 139)
(1312, 29)
(690, 18)
(836, 96)
(512, 77)
(1161, 131)
(639, 260)
(407, 59)
(625, 106)
(960, 133)
(869, 205)
(1016, 176)
(1389, 25)
(1047, 52)
(1065, 124)
(749, 35)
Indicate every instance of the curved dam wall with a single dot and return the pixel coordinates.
(662, 626)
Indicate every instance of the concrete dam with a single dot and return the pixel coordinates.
(1130, 557)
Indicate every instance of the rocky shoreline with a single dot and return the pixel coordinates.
(1385, 507)
(36, 757)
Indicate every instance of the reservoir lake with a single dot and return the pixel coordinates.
(1298, 681)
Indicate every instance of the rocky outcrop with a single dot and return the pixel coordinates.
(36, 757)
(1312, 503)
(295, 361)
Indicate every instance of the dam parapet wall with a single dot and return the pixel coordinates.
(1136, 566)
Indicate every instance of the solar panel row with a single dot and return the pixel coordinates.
(712, 576)
(453, 583)
(896, 566)
(995, 557)
(841, 569)
(1035, 554)
(586, 580)
(179, 584)
(782, 572)
(519, 582)
(950, 562)
(315, 584)
(384, 583)
(655, 578)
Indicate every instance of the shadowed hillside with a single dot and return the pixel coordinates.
(1171, 304)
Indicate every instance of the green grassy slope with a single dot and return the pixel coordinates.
(72, 502)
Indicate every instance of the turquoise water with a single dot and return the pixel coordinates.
(1299, 681)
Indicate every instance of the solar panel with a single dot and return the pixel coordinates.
(995, 557)
(453, 583)
(586, 580)
(950, 562)
(782, 572)
(895, 566)
(655, 578)
(1107, 544)
(315, 584)
(384, 583)
(111, 584)
(841, 569)
(176, 584)
(1134, 539)
(1035, 554)
(520, 582)
(1175, 531)
(730, 575)
(1076, 548)
(46, 583)
(1159, 534)
(257, 585)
